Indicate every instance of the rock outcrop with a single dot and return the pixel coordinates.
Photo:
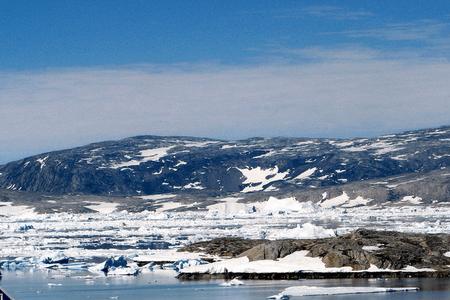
(360, 249)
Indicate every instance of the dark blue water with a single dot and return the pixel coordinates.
(35, 285)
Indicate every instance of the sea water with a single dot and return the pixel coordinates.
(54, 285)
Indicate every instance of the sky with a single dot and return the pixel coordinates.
(74, 72)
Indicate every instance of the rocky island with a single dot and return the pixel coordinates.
(359, 254)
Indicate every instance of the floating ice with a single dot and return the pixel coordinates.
(305, 231)
(297, 291)
(56, 258)
(275, 205)
(115, 266)
(233, 282)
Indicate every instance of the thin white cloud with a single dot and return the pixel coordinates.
(335, 12)
(344, 52)
(316, 11)
(329, 97)
(421, 30)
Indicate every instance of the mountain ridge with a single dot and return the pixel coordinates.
(150, 164)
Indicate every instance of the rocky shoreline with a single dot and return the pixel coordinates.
(360, 254)
(314, 275)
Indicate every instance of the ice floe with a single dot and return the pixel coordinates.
(299, 291)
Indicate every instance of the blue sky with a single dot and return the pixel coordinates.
(73, 72)
(52, 34)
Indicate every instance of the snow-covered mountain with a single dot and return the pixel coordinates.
(148, 165)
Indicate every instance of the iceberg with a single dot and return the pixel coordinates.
(116, 266)
(56, 258)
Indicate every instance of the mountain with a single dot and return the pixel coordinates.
(147, 165)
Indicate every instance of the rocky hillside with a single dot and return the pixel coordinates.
(147, 165)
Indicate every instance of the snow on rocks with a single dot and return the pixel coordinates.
(299, 291)
(412, 200)
(295, 262)
(146, 155)
(414, 269)
(358, 201)
(372, 248)
(336, 201)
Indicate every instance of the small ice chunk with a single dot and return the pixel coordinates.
(233, 282)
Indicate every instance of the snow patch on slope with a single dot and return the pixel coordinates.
(257, 178)
(154, 154)
(103, 207)
(306, 174)
(344, 201)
